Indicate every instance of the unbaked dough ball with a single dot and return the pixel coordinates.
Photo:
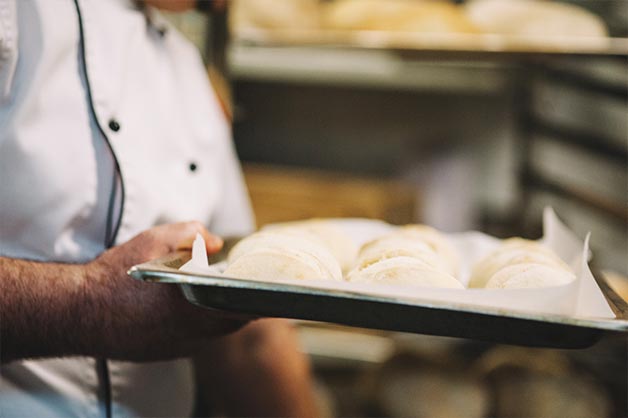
(342, 247)
(513, 251)
(268, 251)
(397, 245)
(529, 275)
(436, 241)
(518, 252)
(403, 271)
(270, 264)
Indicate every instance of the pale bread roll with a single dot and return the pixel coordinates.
(529, 275)
(436, 241)
(539, 22)
(404, 271)
(363, 14)
(510, 255)
(517, 242)
(273, 14)
(272, 264)
(342, 247)
(396, 245)
(436, 18)
(396, 15)
(289, 240)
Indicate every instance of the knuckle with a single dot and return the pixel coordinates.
(197, 225)
(193, 227)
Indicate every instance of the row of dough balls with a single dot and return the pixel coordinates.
(411, 255)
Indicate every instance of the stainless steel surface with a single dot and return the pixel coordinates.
(349, 308)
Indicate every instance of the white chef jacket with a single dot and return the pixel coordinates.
(152, 102)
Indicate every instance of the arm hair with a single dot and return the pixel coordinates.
(41, 310)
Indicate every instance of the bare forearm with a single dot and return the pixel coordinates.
(40, 309)
(55, 310)
(96, 309)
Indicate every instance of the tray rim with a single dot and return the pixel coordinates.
(158, 271)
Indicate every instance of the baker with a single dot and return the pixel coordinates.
(111, 141)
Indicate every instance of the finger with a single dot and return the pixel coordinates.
(213, 243)
(186, 243)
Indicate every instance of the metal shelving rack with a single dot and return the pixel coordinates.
(528, 65)
(531, 124)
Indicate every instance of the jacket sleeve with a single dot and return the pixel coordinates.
(8, 47)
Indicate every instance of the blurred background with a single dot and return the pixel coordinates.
(459, 114)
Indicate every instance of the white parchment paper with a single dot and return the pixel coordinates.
(581, 298)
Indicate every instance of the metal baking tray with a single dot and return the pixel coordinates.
(385, 313)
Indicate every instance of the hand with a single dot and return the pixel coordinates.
(149, 321)
(262, 363)
(185, 5)
(172, 5)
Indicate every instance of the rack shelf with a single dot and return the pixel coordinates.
(441, 46)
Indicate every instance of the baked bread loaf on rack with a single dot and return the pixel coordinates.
(537, 23)
(432, 17)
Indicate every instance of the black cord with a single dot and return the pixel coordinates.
(102, 367)
(110, 235)
(102, 370)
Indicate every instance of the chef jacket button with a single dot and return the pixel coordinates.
(192, 167)
(162, 31)
(114, 125)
